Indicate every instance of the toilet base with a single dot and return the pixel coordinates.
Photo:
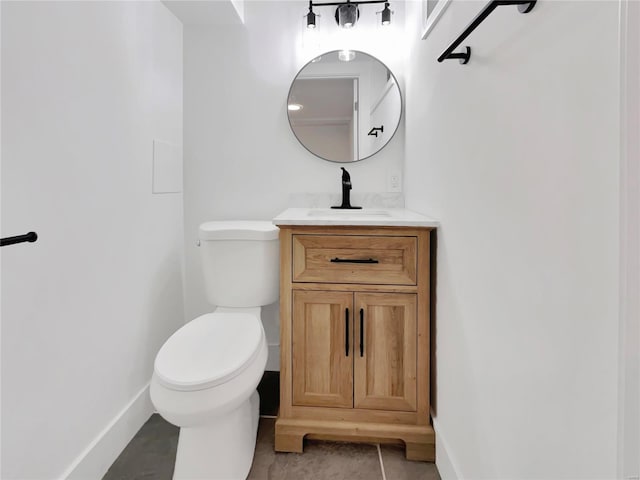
(223, 448)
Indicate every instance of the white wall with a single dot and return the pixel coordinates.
(517, 153)
(241, 159)
(86, 88)
(629, 401)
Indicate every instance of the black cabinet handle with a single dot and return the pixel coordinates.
(346, 332)
(354, 260)
(361, 332)
(28, 237)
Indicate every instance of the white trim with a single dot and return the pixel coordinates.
(434, 17)
(304, 122)
(322, 76)
(385, 92)
(445, 460)
(629, 321)
(96, 459)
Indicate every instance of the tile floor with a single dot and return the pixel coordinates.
(151, 453)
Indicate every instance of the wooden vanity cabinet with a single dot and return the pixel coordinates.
(354, 320)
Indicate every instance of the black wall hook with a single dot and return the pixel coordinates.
(374, 131)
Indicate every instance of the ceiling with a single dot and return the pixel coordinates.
(324, 100)
(207, 12)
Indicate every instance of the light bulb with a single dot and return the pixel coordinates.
(346, 55)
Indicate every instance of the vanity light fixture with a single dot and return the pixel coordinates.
(311, 17)
(386, 14)
(347, 13)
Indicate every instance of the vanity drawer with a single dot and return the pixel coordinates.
(368, 259)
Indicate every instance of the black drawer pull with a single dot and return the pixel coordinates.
(346, 332)
(361, 332)
(354, 260)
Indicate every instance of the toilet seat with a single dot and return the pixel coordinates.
(209, 350)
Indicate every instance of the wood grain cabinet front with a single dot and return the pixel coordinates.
(322, 334)
(372, 259)
(354, 350)
(385, 354)
(355, 337)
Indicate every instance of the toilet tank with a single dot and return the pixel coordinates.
(240, 262)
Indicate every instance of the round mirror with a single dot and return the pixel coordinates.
(344, 106)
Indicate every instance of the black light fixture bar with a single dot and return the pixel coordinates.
(311, 17)
(524, 6)
(337, 4)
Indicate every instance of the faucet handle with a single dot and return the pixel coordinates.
(346, 178)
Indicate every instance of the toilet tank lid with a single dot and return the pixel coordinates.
(239, 230)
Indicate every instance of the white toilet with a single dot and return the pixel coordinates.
(205, 375)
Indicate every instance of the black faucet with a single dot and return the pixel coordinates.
(346, 186)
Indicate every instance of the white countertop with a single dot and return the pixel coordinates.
(379, 217)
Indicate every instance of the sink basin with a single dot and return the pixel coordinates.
(334, 212)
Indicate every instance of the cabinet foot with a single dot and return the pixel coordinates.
(425, 452)
(288, 442)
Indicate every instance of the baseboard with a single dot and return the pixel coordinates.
(444, 457)
(96, 459)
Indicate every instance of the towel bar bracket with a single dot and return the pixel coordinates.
(524, 6)
(462, 56)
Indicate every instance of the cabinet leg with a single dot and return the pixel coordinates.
(289, 442)
(425, 452)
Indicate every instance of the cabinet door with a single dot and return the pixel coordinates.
(385, 351)
(322, 357)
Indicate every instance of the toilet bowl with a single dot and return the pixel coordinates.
(204, 381)
(205, 375)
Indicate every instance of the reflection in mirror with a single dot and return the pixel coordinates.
(344, 106)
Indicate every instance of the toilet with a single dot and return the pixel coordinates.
(205, 375)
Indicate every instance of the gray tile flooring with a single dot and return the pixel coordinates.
(151, 454)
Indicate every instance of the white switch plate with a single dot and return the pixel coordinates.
(394, 181)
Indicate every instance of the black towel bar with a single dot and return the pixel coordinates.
(27, 237)
(524, 6)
